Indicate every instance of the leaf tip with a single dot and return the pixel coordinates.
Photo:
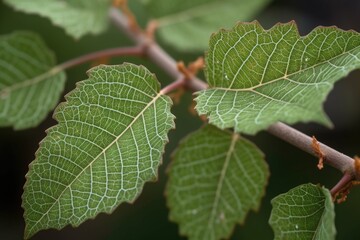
(27, 233)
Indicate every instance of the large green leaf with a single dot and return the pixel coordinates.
(77, 17)
(305, 212)
(108, 143)
(215, 179)
(258, 77)
(188, 24)
(25, 98)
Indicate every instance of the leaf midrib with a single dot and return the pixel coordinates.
(286, 77)
(32, 81)
(101, 153)
(234, 139)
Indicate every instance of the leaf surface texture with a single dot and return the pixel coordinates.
(305, 212)
(109, 141)
(258, 77)
(29, 86)
(76, 17)
(188, 24)
(216, 178)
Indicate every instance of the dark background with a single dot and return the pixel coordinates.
(147, 218)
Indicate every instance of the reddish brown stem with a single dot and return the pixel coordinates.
(113, 52)
(180, 82)
(125, 51)
(344, 182)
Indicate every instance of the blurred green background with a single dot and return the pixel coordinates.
(147, 218)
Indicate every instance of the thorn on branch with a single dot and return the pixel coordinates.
(316, 147)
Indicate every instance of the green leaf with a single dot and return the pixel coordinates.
(76, 17)
(215, 179)
(188, 24)
(30, 86)
(108, 143)
(258, 77)
(305, 212)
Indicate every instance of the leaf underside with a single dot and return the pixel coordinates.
(76, 17)
(215, 179)
(305, 212)
(109, 141)
(28, 88)
(188, 24)
(258, 77)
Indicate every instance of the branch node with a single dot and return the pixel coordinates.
(316, 148)
(192, 69)
(342, 195)
(183, 69)
(342, 189)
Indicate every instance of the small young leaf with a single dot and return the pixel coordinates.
(188, 24)
(258, 77)
(305, 212)
(76, 17)
(108, 143)
(215, 179)
(29, 85)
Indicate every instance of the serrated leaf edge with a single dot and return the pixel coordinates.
(27, 233)
(326, 194)
(169, 167)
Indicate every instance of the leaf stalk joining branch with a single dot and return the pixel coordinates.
(332, 157)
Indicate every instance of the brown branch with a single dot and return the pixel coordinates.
(285, 132)
(332, 157)
(153, 51)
